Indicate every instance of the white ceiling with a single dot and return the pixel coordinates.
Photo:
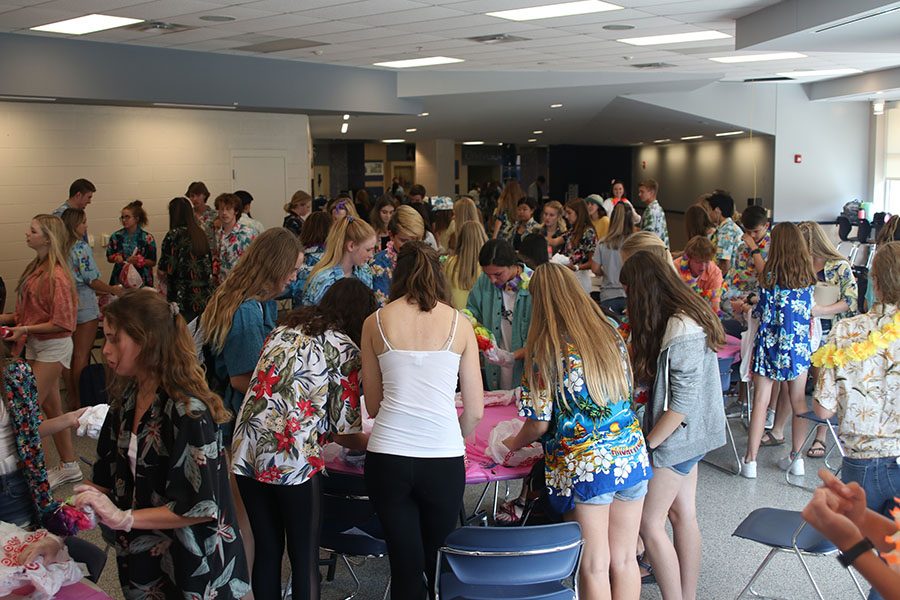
(363, 32)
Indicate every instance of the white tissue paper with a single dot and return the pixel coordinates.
(502, 455)
(91, 421)
(46, 580)
(495, 398)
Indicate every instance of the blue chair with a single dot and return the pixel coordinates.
(785, 531)
(514, 563)
(93, 557)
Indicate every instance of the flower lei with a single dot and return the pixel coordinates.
(485, 338)
(519, 282)
(830, 356)
(893, 557)
(694, 282)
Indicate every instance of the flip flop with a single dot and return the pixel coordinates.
(770, 440)
(816, 449)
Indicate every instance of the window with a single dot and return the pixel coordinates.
(892, 196)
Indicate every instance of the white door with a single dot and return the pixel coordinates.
(264, 178)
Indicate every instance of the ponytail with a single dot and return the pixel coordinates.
(419, 276)
(348, 229)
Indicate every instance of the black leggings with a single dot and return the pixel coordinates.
(276, 512)
(418, 502)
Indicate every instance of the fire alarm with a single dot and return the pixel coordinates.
(643, 164)
(798, 158)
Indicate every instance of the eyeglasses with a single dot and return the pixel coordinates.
(125, 217)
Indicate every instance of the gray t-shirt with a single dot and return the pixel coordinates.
(611, 261)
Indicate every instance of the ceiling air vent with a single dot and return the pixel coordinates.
(498, 38)
(652, 65)
(768, 79)
(159, 26)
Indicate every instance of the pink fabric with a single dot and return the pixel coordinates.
(731, 349)
(80, 591)
(481, 468)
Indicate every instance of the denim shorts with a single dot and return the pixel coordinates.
(635, 492)
(16, 506)
(684, 468)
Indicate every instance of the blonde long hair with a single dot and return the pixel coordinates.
(462, 268)
(560, 220)
(167, 349)
(561, 313)
(818, 243)
(620, 226)
(269, 259)
(55, 231)
(789, 263)
(348, 229)
(464, 211)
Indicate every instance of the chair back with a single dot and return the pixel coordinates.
(93, 557)
(513, 555)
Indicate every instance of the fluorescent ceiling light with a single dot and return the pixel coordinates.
(567, 9)
(345, 127)
(29, 98)
(691, 137)
(346, 117)
(473, 143)
(820, 73)
(757, 57)
(532, 140)
(661, 141)
(675, 38)
(423, 114)
(727, 133)
(537, 132)
(392, 141)
(87, 24)
(411, 130)
(428, 61)
(179, 105)
(556, 106)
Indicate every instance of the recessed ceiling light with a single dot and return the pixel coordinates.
(727, 133)
(424, 114)
(411, 130)
(675, 38)
(556, 106)
(661, 141)
(537, 132)
(499, 143)
(345, 127)
(428, 61)
(757, 57)
(566, 9)
(618, 27)
(346, 117)
(216, 18)
(473, 143)
(87, 24)
(393, 141)
(879, 93)
(820, 73)
(532, 140)
(691, 137)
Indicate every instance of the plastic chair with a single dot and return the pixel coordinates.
(726, 370)
(831, 424)
(514, 563)
(785, 531)
(93, 557)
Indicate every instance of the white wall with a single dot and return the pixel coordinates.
(833, 139)
(150, 154)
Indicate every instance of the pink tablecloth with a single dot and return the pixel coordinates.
(80, 591)
(481, 469)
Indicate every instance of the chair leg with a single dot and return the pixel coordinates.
(756, 574)
(352, 574)
(387, 589)
(787, 474)
(809, 574)
(837, 444)
(736, 470)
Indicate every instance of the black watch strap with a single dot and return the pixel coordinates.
(861, 547)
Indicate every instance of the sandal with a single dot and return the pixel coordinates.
(770, 440)
(816, 449)
(510, 513)
(649, 577)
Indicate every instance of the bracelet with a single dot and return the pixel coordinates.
(859, 548)
(755, 251)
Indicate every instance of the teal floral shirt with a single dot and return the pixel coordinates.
(180, 465)
(727, 238)
(318, 284)
(230, 247)
(84, 271)
(589, 450)
(654, 221)
(304, 390)
(383, 265)
(839, 274)
(124, 244)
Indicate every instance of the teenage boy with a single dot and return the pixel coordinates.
(80, 194)
(728, 234)
(653, 219)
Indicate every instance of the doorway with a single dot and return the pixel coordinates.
(264, 178)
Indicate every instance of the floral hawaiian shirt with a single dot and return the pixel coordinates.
(782, 348)
(742, 276)
(839, 274)
(529, 227)
(230, 247)
(124, 244)
(580, 251)
(708, 285)
(383, 266)
(311, 257)
(865, 393)
(589, 449)
(507, 226)
(318, 284)
(304, 390)
(188, 277)
(84, 271)
(654, 221)
(181, 466)
(727, 238)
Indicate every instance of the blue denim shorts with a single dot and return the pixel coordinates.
(16, 506)
(684, 468)
(635, 492)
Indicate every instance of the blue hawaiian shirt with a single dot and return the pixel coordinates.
(319, 283)
(782, 349)
(589, 450)
(383, 266)
(727, 238)
(311, 257)
(84, 271)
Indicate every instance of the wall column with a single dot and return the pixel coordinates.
(435, 166)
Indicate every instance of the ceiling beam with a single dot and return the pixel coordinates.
(855, 85)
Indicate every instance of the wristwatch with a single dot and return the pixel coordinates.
(854, 552)
(755, 251)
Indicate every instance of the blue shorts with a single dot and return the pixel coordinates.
(635, 492)
(684, 468)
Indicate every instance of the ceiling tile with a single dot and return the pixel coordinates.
(265, 23)
(165, 10)
(24, 18)
(360, 9)
(318, 30)
(88, 7)
(430, 13)
(289, 6)
(454, 23)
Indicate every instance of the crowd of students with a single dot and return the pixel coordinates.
(209, 463)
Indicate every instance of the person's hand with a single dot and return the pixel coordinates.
(73, 416)
(852, 496)
(14, 334)
(500, 357)
(749, 241)
(737, 305)
(133, 259)
(822, 513)
(47, 547)
(118, 290)
(119, 259)
(509, 443)
(107, 512)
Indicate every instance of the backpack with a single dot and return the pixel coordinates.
(851, 211)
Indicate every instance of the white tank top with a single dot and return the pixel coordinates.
(417, 416)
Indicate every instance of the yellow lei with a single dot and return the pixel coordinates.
(830, 356)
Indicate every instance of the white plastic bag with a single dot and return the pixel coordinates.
(129, 277)
(91, 421)
(501, 454)
(748, 339)
(45, 580)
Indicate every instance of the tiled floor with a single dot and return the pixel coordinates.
(723, 501)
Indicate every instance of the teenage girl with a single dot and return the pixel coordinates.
(349, 248)
(462, 269)
(132, 245)
(554, 225)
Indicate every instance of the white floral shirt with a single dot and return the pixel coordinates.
(654, 221)
(865, 394)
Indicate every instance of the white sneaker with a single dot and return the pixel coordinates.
(748, 469)
(770, 419)
(64, 473)
(797, 468)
